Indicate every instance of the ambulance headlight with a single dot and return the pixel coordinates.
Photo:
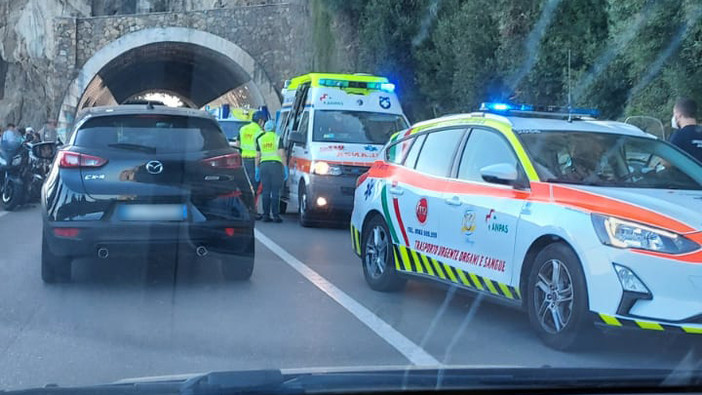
(624, 234)
(325, 169)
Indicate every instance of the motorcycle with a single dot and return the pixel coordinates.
(22, 173)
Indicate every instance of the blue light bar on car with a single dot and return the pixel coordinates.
(506, 108)
(502, 107)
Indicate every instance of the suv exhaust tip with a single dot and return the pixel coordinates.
(103, 253)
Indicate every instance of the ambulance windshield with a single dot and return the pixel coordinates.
(613, 160)
(356, 126)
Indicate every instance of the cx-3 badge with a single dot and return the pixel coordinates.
(154, 167)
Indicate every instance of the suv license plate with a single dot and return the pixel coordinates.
(153, 212)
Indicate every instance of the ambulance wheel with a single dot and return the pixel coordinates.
(378, 259)
(557, 297)
(304, 211)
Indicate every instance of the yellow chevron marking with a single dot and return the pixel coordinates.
(405, 259)
(609, 320)
(505, 290)
(649, 325)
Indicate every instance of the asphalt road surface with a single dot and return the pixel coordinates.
(306, 305)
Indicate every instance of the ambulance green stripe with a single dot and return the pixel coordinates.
(384, 199)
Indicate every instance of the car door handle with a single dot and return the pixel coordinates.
(396, 190)
(454, 201)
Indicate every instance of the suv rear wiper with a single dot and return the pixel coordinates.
(134, 147)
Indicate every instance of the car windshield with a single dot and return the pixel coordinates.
(611, 160)
(151, 133)
(231, 128)
(339, 126)
(351, 196)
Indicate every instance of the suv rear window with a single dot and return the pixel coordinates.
(152, 133)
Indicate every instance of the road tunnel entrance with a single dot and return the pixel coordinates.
(196, 67)
(195, 74)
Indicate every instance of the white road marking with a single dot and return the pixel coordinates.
(415, 354)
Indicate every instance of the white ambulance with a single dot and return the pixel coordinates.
(334, 127)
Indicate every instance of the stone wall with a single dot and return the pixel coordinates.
(44, 43)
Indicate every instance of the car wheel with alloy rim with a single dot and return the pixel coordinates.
(557, 297)
(378, 259)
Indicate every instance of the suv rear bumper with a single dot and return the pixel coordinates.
(136, 238)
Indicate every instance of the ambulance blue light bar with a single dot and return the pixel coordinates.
(378, 86)
(525, 109)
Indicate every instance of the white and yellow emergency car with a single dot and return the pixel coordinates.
(334, 126)
(573, 219)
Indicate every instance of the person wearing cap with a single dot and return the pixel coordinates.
(247, 142)
(272, 171)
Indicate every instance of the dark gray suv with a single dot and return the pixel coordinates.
(135, 178)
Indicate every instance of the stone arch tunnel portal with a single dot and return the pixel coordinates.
(196, 67)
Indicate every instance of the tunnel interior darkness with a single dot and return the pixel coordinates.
(195, 74)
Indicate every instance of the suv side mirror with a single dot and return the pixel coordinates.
(501, 173)
(297, 138)
(44, 150)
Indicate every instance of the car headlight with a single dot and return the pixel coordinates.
(624, 234)
(17, 160)
(325, 169)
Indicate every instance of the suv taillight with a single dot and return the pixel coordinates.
(74, 160)
(229, 161)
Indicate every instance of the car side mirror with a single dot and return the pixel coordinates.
(44, 150)
(501, 173)
(297, 138)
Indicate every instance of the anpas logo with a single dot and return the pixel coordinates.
(422, 210)
(493, 225)
(370, 147)
(328, 100)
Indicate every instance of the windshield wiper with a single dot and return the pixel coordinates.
(134, 147)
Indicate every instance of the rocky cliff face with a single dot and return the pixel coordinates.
(26, 52)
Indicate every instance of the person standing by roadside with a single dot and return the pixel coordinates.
(247, 142)
(48, 132)
(272, 171)
(688, 136)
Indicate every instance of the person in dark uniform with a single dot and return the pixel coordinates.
(272, 171)
(688, 136)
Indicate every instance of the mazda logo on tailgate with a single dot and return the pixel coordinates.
(154, 167)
